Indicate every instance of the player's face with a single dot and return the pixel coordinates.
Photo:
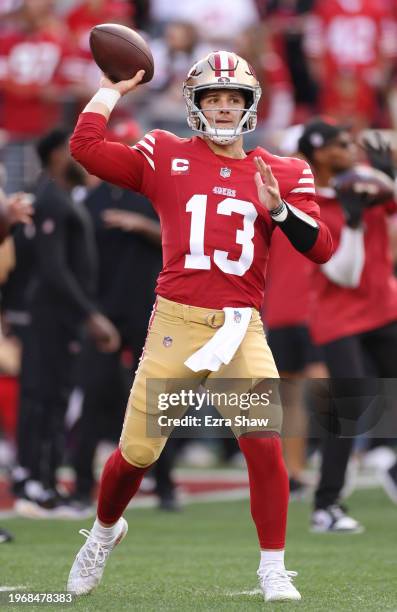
(341, 153)
(223, 108)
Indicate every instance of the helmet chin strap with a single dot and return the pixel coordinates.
(222, 140)
(221, 136)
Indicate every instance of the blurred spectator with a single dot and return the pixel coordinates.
(276, 106)
(216, 22)
(352, 45)
(12, 210)
(174, 53)
(37, 62)
(285, 21)
(61, 303)
(80, 20)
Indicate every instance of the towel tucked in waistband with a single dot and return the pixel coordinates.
(224, 343)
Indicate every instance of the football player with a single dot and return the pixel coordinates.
(218, 206)
(354, 314)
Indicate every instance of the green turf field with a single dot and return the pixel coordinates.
(204, 557)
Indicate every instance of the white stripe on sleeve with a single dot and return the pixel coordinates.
(149, 160)
(303, 190)
(147, 146)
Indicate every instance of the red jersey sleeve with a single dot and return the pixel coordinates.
(128, 167)
(301, 196)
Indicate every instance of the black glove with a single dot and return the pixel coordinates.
(380, 155)
(353, 205)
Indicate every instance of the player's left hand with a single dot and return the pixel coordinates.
(267, 185)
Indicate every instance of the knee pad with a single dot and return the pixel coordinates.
(140, 454)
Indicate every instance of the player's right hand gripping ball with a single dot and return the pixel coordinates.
(120, 52)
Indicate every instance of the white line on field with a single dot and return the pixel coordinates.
(253, 592)
(20, 587)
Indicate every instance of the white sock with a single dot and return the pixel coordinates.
(272, 558)
(105, 534)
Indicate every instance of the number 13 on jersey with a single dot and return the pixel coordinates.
(197, 206)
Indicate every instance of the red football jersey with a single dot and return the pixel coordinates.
(30, 62)
(340, 311)
(215, 232)
(352, 39)
(288, 284)
(84, 17)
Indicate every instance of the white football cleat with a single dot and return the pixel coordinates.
(90, 561)
(276, 585)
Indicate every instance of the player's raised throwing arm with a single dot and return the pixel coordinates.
(110, 161)
(298, 217)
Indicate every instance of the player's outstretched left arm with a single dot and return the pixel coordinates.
(306, 232)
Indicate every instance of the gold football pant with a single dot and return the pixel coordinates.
(175, 332)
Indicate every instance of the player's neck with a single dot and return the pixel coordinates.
(234, 150)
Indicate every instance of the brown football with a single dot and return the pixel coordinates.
(120, 52)
(364, 179)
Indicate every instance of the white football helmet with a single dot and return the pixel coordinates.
(221, 70)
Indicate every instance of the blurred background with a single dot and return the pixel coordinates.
(312, 57)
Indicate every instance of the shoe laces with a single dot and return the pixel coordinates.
(93, 554)
(277, 578)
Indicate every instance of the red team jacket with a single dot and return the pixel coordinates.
(339, 311)
(215, 233)
(288, 294)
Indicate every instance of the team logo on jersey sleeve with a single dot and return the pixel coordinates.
(167, 341)
(180, 166)
(225, 172)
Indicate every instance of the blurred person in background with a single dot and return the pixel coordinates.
(351, 46)
(286, 313)
(354, 312)
(31, 51)
(127, 233)
(276, 107)
(61, 305)
(217, 23)
(37, 73)
(13, 210)
(173, 54)
(80, 20)
(285, 22)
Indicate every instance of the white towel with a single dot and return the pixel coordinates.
(224, 343)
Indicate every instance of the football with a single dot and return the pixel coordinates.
(120, 52)
(377, 185)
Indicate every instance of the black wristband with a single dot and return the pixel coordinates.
(300, 229)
